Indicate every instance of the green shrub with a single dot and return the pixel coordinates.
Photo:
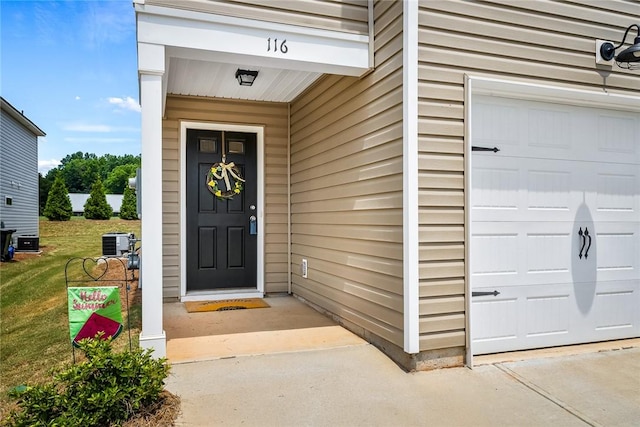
(96, 206)
(58, 206)
(129, 207)
(106, 389)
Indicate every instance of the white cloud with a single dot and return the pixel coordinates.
(127, 103)
(45, 165)
(83, 127)
(77, 98)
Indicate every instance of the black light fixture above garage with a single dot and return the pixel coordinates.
(628, 58)
(246, 77)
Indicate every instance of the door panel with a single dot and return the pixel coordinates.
(221, 251)
(555, 225)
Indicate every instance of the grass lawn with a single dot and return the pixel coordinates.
(34, 328)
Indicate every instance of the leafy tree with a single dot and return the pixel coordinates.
(69, 157)
(96, 206)
(44, 185)
(80, 174)
(80, 170)
(58, 207)
(118, 179)
(129, 208)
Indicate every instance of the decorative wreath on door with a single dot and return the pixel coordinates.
(224, 180)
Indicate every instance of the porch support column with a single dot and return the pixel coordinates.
(151, 68)
(411, 218)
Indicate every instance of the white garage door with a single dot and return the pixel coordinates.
(555, 231)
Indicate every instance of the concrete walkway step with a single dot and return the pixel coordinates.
(211, 347)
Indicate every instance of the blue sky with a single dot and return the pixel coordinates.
(71, 67)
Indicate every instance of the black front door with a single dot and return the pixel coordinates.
(221, 241)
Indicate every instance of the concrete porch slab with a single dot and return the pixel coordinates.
(288, 325)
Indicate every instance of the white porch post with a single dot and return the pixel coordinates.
(151, 68)
(411, 219)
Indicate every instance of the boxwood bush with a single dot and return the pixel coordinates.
(106, 389)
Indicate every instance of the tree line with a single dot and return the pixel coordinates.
(87, 173)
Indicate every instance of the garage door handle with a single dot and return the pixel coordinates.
(484, 294)
(584, 241)
(476, 148)
(586, 234)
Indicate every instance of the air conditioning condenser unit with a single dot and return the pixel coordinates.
(115, 244)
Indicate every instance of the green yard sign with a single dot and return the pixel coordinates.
(93, 310)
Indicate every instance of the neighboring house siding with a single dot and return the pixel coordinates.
(18, 176)
(273, 116)
(546, 42)
(346, 189)
(346, 15)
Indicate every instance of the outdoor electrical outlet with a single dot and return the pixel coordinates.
(303, 268)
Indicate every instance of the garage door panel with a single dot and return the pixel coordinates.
(547, 254)
(531, 189)
(616, 197)
(555, 225)
(515, 318)
(618, 136)
(549, 189)
(615, 308)
(499, 323)
(616, 192)
(521, 128)
(548, 127)
(549, 315)
(497, 261)
(523, 253)
(495, 188)
(617, 252)
(501, 124)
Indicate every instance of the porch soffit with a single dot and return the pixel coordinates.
(203, 52)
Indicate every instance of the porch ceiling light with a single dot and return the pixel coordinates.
(628, 58)
(246, 77)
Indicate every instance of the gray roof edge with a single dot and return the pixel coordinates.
(13, 112)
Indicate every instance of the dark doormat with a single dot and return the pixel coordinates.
(229, 304)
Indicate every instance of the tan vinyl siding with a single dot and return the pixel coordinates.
(273, 116)
(346, 189)
(542, 41)
(338, 15)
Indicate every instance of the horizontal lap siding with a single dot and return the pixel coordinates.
(543, 41)
(273, 116)
(339, 15)
(18, 177)
(346, 189)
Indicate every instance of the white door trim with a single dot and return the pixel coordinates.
(548, 93)
(225, 294)
(527, 91)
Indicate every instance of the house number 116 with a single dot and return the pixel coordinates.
(282, 46)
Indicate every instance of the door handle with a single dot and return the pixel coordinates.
(584, 240)
(253, 225)
(586, 234)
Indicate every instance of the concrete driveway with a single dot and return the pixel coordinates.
(357, 385)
